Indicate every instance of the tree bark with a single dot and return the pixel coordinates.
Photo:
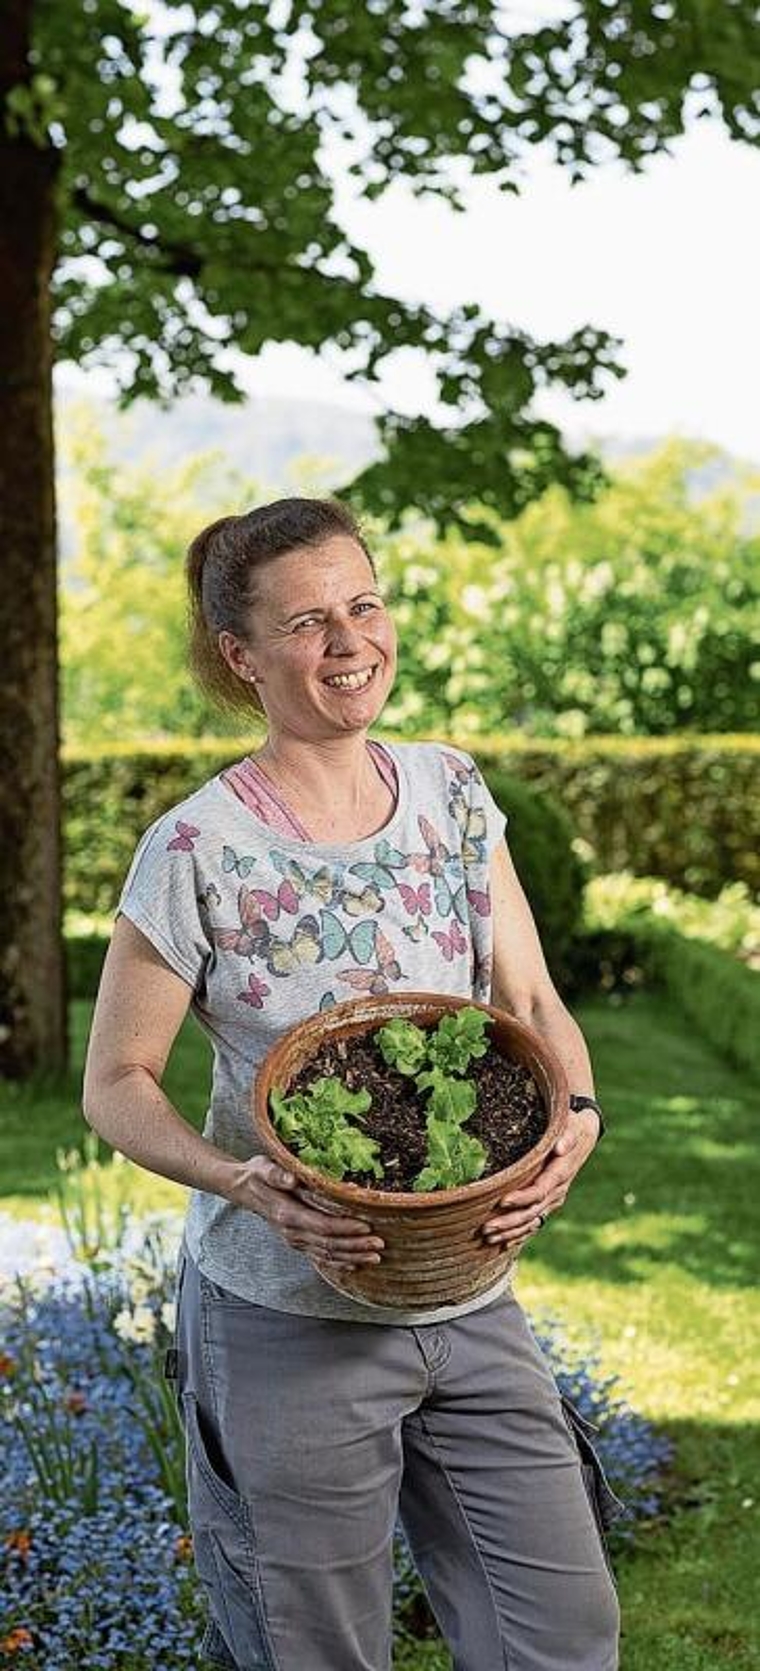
(32, 980)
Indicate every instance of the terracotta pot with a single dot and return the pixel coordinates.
(434, 1252)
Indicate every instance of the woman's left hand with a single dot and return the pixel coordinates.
(522, 1213)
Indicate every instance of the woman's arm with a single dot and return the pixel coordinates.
(522, 984)
(140, 1008)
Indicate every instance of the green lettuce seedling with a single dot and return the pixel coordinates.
(450, 1099)
(402, 1046)
(454, 1157)
(458, 1039)
(316, 1125)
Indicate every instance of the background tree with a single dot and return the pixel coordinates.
(165, 168)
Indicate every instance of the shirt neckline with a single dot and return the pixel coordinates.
(275, 839)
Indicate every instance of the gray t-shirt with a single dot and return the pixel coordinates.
(267, 930)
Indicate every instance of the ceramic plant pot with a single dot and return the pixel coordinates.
(434, 1251)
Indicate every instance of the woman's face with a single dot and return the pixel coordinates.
(320, 615)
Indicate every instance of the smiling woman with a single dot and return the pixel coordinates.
(329, 864)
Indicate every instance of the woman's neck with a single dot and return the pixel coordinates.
(337, 773)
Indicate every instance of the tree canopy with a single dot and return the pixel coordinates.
(196, 144)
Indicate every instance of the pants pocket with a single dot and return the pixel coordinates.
(606, 1505)
(224, 1554)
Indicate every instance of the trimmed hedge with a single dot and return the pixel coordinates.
(681, 808)
(540, 838)
(719, 994)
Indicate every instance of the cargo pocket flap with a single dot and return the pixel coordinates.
(608, 1507)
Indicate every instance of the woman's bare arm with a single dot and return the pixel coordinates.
(140, 1008)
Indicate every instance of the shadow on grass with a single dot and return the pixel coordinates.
(688, 1579)
(676, 1180)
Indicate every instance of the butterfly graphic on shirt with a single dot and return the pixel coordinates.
(451, 940)
(471, 819)
(255, 992)
(242, 867)
(359, 940)
(480, 900)
(439, 860)
(380, 871)
(210, 896)
(416, 931)
(183, 841)
(287, 957)
(322, 883)
(416, 901)
(252, 937)
(375, 981)
(463, 774)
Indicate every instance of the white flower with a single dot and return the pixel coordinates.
(169, 1315)
(138, 1326)
(139, 1289)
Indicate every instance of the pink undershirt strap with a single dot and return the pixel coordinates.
(256, 790)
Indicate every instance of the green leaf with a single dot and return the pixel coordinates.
(402, 1045)
(450, 1099)
(459, 1039)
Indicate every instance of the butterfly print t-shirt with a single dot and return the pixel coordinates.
(268, 928)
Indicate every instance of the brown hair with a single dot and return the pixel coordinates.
(221, 567)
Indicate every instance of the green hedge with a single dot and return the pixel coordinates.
(540, 838)
(681, 808)
(719, 994)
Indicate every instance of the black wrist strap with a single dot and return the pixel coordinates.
(581, 1101)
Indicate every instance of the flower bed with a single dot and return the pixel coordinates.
(96, 1552)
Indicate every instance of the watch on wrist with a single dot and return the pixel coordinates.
(577, 1102)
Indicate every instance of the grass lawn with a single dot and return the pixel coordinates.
(655, 1256)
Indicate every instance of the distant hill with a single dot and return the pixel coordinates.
(284, 444)
(262, 438)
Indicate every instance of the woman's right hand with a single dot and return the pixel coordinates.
(322, 1233)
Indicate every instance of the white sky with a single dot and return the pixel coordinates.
(668, 259)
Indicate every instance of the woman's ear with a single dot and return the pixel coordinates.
(236, 656)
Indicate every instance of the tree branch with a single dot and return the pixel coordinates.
(174, 258)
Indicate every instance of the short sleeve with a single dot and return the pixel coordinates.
(160, 897)
(495, 820)
(482, 820)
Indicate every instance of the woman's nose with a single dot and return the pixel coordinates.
(344, 635)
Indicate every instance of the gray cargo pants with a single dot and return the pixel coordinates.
(306, 1437)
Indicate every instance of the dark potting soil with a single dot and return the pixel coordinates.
(509, 1116)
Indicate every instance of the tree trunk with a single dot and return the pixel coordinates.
(32, 980)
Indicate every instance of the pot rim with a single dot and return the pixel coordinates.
(336, 1020)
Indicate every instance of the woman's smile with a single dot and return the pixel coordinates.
(358, 680)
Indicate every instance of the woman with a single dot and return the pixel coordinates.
(282, 886)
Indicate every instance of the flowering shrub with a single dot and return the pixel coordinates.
(95, 1550)
(732, 921)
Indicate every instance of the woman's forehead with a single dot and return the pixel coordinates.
(313, 573)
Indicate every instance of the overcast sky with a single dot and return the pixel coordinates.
(668, 259)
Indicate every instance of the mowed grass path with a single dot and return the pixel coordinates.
(654, 1257)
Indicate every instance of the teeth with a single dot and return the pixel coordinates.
(351, 681)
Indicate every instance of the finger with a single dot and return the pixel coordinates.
(570, 1139)
(555, 1175)
(515, 1236)
(512, 1224)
